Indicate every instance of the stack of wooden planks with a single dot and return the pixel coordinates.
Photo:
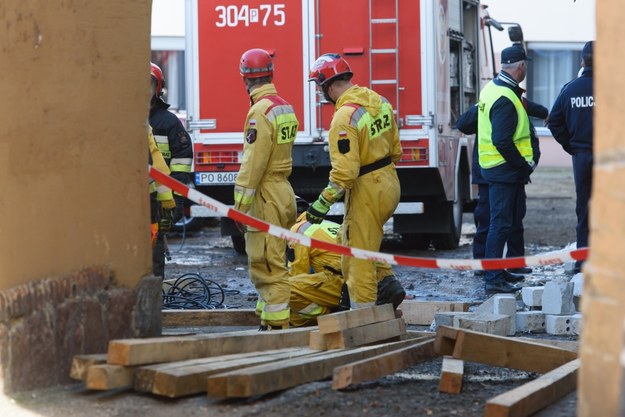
(250, 363)
(349, 347)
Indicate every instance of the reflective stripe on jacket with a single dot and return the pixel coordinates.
(171, 137)
(489, 156)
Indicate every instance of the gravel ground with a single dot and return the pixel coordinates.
(550, 225)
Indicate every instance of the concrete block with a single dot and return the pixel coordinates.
(532, 296)
(501, 304)
(576, 323)
(530, 322)
(558, 298)
(559, 325)
(446, 318)
(496, 324)
(578, 284)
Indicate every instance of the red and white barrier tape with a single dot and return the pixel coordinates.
(549, 258)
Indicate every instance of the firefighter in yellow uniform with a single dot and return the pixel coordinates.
(364, 147)
(162, 207)
(262, 188)
(316, 279)
(317, 284)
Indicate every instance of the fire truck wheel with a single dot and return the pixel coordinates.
(451, 238)
(238, 243)
(419, 241)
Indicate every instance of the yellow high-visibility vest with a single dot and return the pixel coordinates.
(489, 156)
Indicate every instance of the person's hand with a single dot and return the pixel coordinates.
(166, 221)
(318, 210)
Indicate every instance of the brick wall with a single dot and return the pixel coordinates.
(45, 323)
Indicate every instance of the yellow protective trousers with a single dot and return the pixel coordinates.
(368, 206)
(313, 295)
(274, 203)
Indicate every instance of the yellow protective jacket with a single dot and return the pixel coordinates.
(317, 259)
(363, 131)
(163, 194)
(270, 130)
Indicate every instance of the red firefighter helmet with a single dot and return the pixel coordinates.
(256, 63)
(327, 67)
(155, 71)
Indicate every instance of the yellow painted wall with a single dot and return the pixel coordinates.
(74, 90)
(603, 302)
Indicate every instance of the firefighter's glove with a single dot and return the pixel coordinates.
(241, 227)
(318, 210)
(166, 221)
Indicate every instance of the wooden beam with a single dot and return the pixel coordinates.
(105, 377)
(535, 395)
(452, 373)
(572, 345)
(384, 364)
(422, 312)
(81, 363)
(168, 349)
(195, 318)
(364, 335)
(500, 351)
(336, 322)
(191, 379)
(263, 379)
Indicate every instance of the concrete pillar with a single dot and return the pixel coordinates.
(603, 302)
(75, 256)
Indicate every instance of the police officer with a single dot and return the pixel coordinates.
(364, 147)
(506, 159)
(262, 188)
(171, 137)
(467, 124)
(162, 207)
(571, 123)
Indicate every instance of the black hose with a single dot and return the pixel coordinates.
(192, 291)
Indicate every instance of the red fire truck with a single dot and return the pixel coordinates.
(429, 58)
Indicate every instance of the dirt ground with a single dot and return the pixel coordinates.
(549, 225)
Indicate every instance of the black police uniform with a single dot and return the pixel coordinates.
(571, 123)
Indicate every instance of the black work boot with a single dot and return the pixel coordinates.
(512, 278)
(344, 303)
(498, 287)
(390, 291)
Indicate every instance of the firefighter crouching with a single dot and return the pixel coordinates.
(364, 147)
(171, 137)
(317, 284)
(262, 188)
(316, 279)
(162, 207)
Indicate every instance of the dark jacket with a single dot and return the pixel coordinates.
(165, 123)
(570, 120)
(467, 124)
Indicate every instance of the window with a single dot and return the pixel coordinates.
(552, 66)
(172, 65)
